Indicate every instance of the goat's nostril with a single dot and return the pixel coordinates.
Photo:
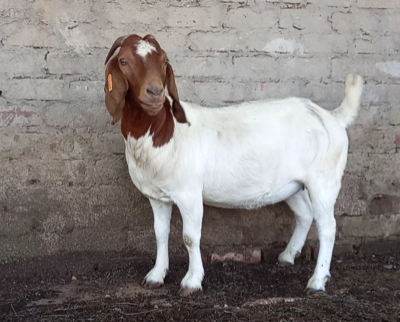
(154, 90)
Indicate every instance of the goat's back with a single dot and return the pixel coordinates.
(259, 152)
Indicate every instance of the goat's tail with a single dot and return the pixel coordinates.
(346, 113)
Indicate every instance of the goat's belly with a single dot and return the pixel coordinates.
(250, 198)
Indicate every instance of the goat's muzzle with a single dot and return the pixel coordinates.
(152, 98)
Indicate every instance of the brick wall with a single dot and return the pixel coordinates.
(64, 181)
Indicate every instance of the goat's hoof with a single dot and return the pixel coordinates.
(151, 285)
(185, 291)
(314, 292)
(284, 264)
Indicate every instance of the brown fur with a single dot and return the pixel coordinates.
(136, 122)
(129, 97)
(115, 100)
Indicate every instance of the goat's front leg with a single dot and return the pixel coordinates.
(162, 218)
(191, 208)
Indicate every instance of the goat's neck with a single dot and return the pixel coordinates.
(136, 122)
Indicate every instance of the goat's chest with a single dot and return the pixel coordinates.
(148, 166)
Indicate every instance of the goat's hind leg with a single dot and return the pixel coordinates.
(323, 198)
(301, 205)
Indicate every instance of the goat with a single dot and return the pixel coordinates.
(243, 156)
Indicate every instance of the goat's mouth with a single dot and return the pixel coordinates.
(152, 108)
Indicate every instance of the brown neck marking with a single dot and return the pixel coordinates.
(136, 122)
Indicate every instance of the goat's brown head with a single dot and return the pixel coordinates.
(141, 70)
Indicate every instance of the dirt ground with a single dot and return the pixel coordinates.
(106, 287)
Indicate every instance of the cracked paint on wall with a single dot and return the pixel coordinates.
(391, 68)
(285, 46)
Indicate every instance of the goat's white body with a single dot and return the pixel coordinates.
(247, 156)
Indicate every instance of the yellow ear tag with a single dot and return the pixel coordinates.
(110, 84)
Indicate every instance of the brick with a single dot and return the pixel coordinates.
(256, 68)
(344, 22)
(305, 21)
(229, 40)
(203, 66)
(384, 205)
(8, 5)
(113, 140)
(76, 115)
(103, 174)
(325, 44)
(378, 4)
(380, 23)
(24, 62)
(246, 19)
(65, 10)
(227, 67)
(70, 63)
(357, 164)
(293, 4)
(378, 115)
(380, 93)
(382, 45)
(274, 90)
(86, 91)
(387, 166)
(215, 93)
(50, 172)
(390, 68)
(370, 67)
(32, 36)
(350, 201)
(318, 93)
(53, 89)
(377, 141)
(357, 65)
(133, 14)
(370, 227)
(284, 46)
(309, 68)
(201, 18)
(34, 89)
(198, 3)
(174, 41)
(322, 92)
(393, 115)
(327, 3)
(20, 115)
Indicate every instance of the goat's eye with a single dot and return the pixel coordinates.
(166, 62)
(123, 61)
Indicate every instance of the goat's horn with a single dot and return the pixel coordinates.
(116, 44)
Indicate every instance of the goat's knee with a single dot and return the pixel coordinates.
(188, 242)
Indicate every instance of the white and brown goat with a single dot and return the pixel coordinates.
(243, 156)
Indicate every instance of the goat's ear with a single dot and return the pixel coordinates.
(177, 109)
(115, 90)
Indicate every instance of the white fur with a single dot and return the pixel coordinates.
(144, 48)
(247, 156)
